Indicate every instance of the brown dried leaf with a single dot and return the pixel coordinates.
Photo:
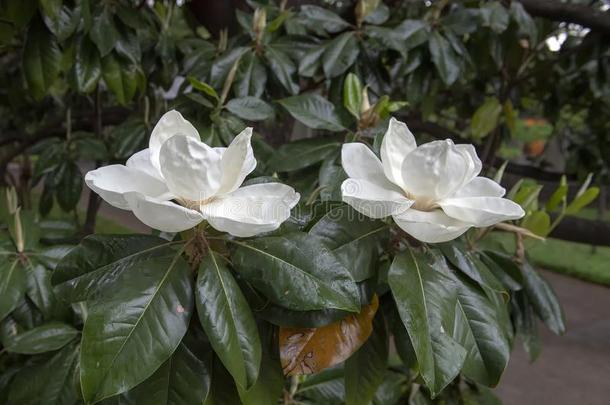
(311, 350)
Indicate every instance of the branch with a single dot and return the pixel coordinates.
(556, 10)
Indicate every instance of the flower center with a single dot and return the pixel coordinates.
(422, 203)
(194, 204)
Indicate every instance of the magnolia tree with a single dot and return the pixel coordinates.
(348, 266)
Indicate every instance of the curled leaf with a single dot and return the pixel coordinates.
(310, 350)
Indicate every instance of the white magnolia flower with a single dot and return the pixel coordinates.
(179, 181)
(433, 191)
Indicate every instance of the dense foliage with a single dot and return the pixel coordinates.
(202, 317)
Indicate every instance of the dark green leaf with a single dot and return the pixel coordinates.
(365, 369)
(311, 61)
(128, 138)
(303, 153)
(353, 238)
(495, 16)
(340, 54)
(426, 296)
(13, 283)
(481, 330)
(316, 17)
(51, 381)
(98, 261)
(104, 32)
(45, 338)
(504, 269)
(469, 264)
(543, 299)
(69, 187)
(227, 320)
(149, 310)
(283, 69)
(41, 59)
(120, 77)
(297, 271)
(222, 66)
(39, 289)
(250, 108)
(183, 379)
(63, 23)
(324, 388)
(444, 58)
(270, 383)
(314, 111)
(251, 76)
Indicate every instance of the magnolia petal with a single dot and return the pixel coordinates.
(435, 170)
(474, 163)
(359, 162)
(237, 162)
(430, 226)
(482, 211)
(397, 143)
(251, 210)
(141, 161)
(170, 124)
(191, 168)
(373, 200)
(480, 187)
(162, 215)
(112, 182)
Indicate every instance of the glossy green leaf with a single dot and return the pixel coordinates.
(250, 108)
(70, 185)
(270, 383)
(352, 94)
(326, 387)
(297, 271)
(120, 77)
(469, 264)
(251, 79)
(184, 379)
(526, 324)
(136, 327)
(41, 59)
(96, 264)
(353, 238)
(504, 268)
(282, 68)
(39, 289)
(444, 58)
(426, 297)
(314, 111)
(315, 16)
(128, 138)
(481, 330)
(227, 320)
(221, 67)
(48, 337)
(340, 54)
(13, 283)
(311, 61)
(543, 299)
(485, 118)
(365, 369)
(104, 33)
(51, 380)
(303, 153)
